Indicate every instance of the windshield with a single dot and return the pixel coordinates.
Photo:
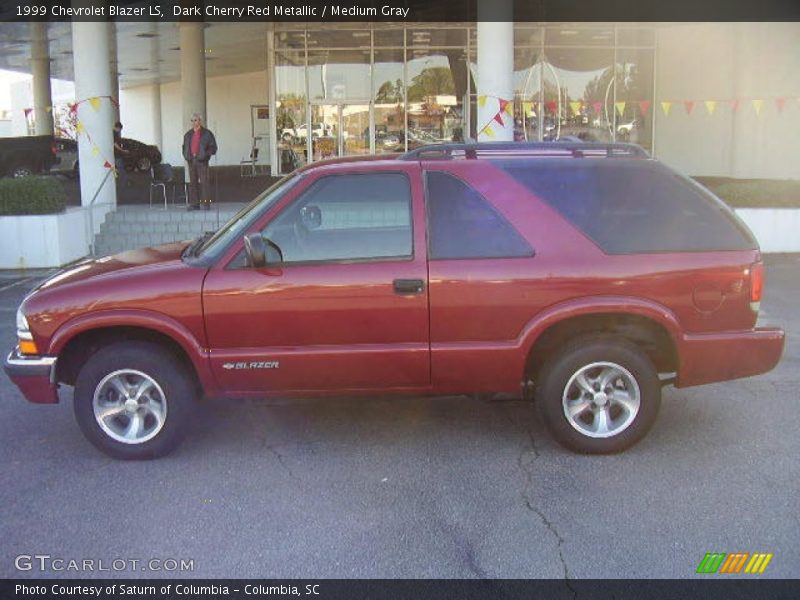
(240, 221)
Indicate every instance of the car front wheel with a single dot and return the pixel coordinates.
(143, 163)
(599, 395)
(133, 400)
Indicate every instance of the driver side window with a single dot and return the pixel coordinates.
(346, 217)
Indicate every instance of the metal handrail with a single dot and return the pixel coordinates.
(575, 149)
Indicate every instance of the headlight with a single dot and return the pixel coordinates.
(23, 330)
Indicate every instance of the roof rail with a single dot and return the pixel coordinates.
(574, 149)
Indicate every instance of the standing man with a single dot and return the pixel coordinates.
(199, 146)
(119, 156)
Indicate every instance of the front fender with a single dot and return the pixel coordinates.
(142, 319)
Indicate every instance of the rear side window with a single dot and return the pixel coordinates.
(633, 207)
(462, 224)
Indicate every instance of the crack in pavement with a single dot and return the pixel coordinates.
(525, 467)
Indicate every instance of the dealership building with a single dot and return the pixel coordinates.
(712, 99)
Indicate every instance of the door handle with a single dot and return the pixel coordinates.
(408, 286)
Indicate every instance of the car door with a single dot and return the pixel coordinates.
(347, 309)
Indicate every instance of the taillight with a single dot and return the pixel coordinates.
(756, 285)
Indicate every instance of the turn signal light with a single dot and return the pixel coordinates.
(28, 347)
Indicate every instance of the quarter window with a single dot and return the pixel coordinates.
(347, 217)
(462, 224)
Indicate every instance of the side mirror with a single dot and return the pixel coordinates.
(311, 217)
(261, 252)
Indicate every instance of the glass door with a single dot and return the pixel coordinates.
(338, 129)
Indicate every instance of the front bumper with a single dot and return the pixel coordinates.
(35, 377)
(706, 358)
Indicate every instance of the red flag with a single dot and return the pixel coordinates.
(499, 118)
(735, 104)
(689, 104)
(551, 105)
(27, 111)
(107, 165)
(597, 106)
(503, 104)
(73, 108)
(780, 103)
(644, 106)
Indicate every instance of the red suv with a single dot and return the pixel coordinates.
(585, 276)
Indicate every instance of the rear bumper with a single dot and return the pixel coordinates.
(707, 358)
(35, 377)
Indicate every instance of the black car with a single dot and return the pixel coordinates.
(141, 156)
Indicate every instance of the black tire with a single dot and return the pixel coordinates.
(597, 358)
(174, 385)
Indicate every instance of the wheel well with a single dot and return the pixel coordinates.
(651, 337)
(80, 348)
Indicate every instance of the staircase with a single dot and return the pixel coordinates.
(136, 226)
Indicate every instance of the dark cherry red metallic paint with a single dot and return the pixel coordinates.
(341, 328)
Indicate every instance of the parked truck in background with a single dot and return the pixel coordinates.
(21, 156)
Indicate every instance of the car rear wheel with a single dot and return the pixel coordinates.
(599, 395)
(133, 400)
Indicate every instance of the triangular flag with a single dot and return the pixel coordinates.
(780, 103)
(107, 165)
(665, 106)
(620, 107)
(95, 102)
(551, 105)
(73, 107)
(499, 118)
(504, 105)
(711, 106)
(735, 104)
(597, 106)
(481, 101)
(79, 127)
(27, 111)
(527, 109)
(48, 108)
(487, 131)
(95, 151)
(644, 106)
(689, 104)
(757, 104)
(576, 107)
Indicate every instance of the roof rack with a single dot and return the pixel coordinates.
(488, 149)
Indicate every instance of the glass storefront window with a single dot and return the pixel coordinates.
(339, 38)
(388, 95)
(567, 34)
(435, 91)
(633, 110)
(436, 37)
(290, 99)
(338, 74)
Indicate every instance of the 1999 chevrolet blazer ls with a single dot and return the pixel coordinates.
(584, 275)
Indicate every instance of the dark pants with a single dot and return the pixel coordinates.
(198, 176)
(122, 174)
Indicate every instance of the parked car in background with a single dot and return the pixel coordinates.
(26, 155)
(300, 133)
(142, 156)
(583, 276)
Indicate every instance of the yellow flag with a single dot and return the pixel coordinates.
(711, 106)
(509, 108)
(95, 102)
(481, 101)
(665, 106)
(527, 108)
(488, 131)
(757, 104)
(576, 107)
(620, 107)
(95, 151)
(79, 127)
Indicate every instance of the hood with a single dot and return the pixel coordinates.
(117, 263)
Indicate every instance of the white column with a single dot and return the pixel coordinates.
(113, 67)
(155, 110)
(495, 70)
(40, 67)
(193, 75)
(93, 80)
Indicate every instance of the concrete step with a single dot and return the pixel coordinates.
(131, 227)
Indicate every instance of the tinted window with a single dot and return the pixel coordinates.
(346, 217)
(630, 207)
(462, 224)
